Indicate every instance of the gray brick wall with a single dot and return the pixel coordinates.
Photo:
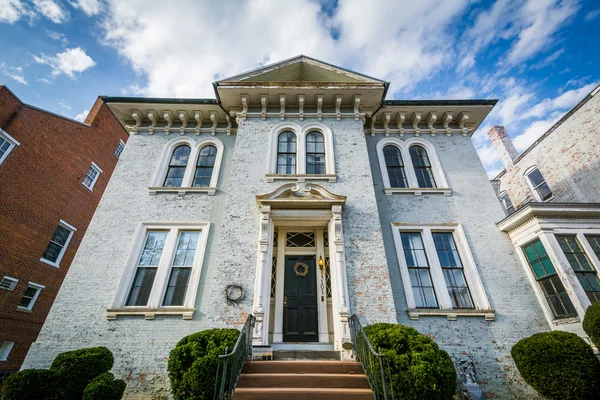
(473, 204)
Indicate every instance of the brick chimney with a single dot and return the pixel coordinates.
(504, 146)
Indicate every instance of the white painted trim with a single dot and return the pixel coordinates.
(12, 144)
(480, 300)
(56, 263)
(301, 132)
(155, 300)
(413, 185)
(93, 183)
(12, 285)
(121, 144)
(38, 289)
(156, 186)
(5, 349)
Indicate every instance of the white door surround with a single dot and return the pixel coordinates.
(312, 208)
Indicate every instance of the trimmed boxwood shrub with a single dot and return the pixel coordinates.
(591, 323)
(77, 368)
(104, 387)
(559, 365)
(194, 360)
(32, 384)
(420, 370)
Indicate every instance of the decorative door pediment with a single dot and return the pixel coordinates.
(295, 195)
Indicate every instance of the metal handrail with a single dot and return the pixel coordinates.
(375, 364)
(231, 364)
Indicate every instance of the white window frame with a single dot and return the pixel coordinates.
(159, 287)
(156, 186)
(5, 349)
(301, 132)
(71, 228)
(411, 177)
(38, 289)
(480, 300)
(12, 144)
(532, 188)
(501, 195)
(12, 285)
(98, 172)
(120, 146)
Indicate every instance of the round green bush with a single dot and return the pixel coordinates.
(591, 323)
(77, 368)
(32, 384)
(194, 361)
(419, 369)
(104, 387)
(559, 365)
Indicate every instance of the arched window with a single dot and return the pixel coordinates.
(395, 166)
(315, 153)
(422, 167)
(286, 153)
(177, 165)
(205, 166)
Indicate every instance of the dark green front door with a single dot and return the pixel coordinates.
(300, 318)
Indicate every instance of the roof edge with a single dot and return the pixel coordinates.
(156, 100)
(469, 102)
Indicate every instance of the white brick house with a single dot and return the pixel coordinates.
(294, 165)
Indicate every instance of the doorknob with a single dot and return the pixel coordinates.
(285, 301)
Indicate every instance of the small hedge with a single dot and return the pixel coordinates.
(559, 365)
(79, 367)
(420, 370)
(32, 384)
(104, 387)
(194, 360)
(591, 323)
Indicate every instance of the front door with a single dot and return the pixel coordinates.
(300, 318)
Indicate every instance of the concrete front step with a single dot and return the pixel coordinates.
(302, 394)
(302, 367)
(347, 381)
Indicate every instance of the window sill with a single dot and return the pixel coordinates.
(49, 263)
(566, 321)
(418, 191)
(301, 177)
(181, 191)
(150, 313)
(24, 310)
(415, 313)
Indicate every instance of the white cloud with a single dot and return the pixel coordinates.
(184, 62)
(539, 20)
(531, 134)
(57, 36)
(51, 10)
(89, 7)
(64, 105)
(13, 10)
(69, 62)
(510, 109)
(563, 102)
(82, 115)
(14, 73)
(592, 15)
(548, 60)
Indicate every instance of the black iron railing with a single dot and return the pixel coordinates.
(230, 367)
(375, 364)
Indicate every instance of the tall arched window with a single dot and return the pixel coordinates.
(315, 153)
(177, 165)
(422, 167)
(286, 153)
(395, 166)
(205, 166)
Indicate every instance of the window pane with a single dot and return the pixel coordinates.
(422, 167)
(142, 286)
(453, 270)
(557, 298)
(153, 248)
(177, 165)
(574, 253)
(395, 167)
(535, 177)
(186, 249)
(4, 145)
(544, 191)
(57, 242)
(205, 166)
(315, 153)
(286, 155)
(594, 241)
(177, 287)
(418, 270)
(538, 259)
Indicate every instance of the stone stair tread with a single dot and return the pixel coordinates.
(306, 390)
(318, 366)
(302, 394)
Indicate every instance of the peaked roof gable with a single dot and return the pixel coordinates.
(301, 69)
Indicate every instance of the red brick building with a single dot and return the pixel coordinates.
(53, 171)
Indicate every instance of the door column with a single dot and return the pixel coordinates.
(341, 328)
(263, 278)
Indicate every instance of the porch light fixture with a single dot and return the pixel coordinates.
(321, 262)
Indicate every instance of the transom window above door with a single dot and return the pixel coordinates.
(301, 153)
(187, 165)
(411, 166)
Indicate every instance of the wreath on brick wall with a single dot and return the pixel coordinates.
(234, 294)
(301, 269)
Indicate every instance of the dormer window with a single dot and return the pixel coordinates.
(286, 153)
(177, 166)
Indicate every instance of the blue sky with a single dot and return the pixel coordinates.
(538, 57)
